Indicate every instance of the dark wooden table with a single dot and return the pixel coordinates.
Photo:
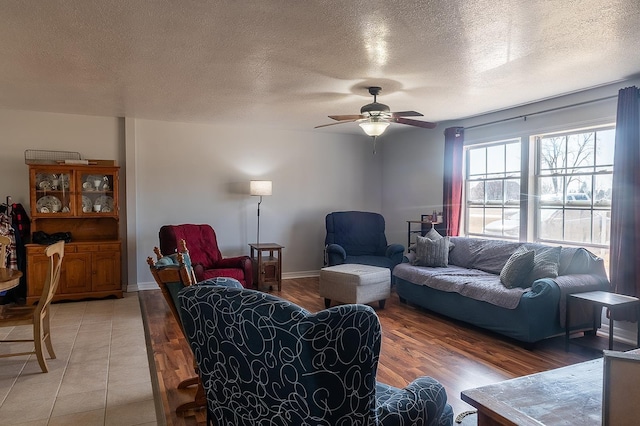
(9, 278)
(565, 396)
(600, 299)
(267, 264)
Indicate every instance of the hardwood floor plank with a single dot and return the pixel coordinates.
(415, 342)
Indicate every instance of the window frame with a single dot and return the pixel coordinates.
(564, 205)
(492, 176)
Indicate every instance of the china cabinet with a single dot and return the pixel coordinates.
(81, 200)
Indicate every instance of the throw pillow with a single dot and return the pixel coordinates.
(432, 253)
(515, 273)
(433, 235)
(545, 263)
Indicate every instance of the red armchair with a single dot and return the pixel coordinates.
(206, 258)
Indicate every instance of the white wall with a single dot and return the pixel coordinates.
(411, 178)
(92, 137)
(183, 172)
(198, 173)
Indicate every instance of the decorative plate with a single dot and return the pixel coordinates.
(44, 181)
(106, 202)
(87, 205)
(49, 203)
(87, 186)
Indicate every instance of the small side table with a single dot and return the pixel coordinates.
(267, 264)
(600, 299)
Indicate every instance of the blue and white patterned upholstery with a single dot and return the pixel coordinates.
(266, 361)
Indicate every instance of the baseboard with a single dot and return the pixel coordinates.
(300, 274)
(152, 285)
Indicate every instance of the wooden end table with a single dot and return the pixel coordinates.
(600, 299)
(267, 264)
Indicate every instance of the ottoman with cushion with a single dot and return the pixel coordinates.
(351, 283)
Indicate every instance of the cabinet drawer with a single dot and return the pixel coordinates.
(37, 249)
(85, 248)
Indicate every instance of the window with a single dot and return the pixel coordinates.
(493, 190)
(574, 184)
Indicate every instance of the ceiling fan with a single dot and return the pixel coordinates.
(374, 118)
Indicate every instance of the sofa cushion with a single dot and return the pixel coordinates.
(516, 271)
(477, 253)
(432, 252)
(545, 263)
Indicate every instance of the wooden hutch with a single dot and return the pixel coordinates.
(82, 200)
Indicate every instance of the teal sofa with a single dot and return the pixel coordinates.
(469, 289)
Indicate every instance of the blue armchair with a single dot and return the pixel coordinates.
(358, 237)
(266, 361)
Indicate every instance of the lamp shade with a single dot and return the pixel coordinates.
(374, 127)
(260, 187)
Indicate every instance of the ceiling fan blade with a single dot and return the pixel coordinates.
(347, 117)
(333, 124)
(406, 114)
(423, 124)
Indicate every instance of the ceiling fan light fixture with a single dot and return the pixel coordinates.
(374, 127)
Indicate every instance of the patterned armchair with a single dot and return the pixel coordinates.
(358, 237)
(266, 361)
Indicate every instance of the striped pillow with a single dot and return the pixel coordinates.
(432, 253)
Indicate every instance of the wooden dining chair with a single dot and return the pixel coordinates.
(38, 316)
(172, 273)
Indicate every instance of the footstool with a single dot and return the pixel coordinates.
(351, 283)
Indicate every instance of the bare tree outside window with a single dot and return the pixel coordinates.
(575, 173)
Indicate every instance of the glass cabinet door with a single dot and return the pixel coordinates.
(97, 190)
(53, 192)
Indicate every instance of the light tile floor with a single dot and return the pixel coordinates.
(100, 376)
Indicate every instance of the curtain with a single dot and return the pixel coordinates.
(624, 271)
(453, 179)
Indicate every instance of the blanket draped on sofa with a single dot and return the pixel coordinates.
(473, 273)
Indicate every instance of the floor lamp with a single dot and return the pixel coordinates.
(259, 188)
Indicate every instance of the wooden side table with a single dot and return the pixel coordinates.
(600, 299)
(267, 264)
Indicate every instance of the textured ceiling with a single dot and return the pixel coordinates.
(291, 63)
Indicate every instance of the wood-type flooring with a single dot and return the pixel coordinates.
(415, 342)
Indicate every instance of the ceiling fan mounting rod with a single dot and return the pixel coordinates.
(375, 91)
